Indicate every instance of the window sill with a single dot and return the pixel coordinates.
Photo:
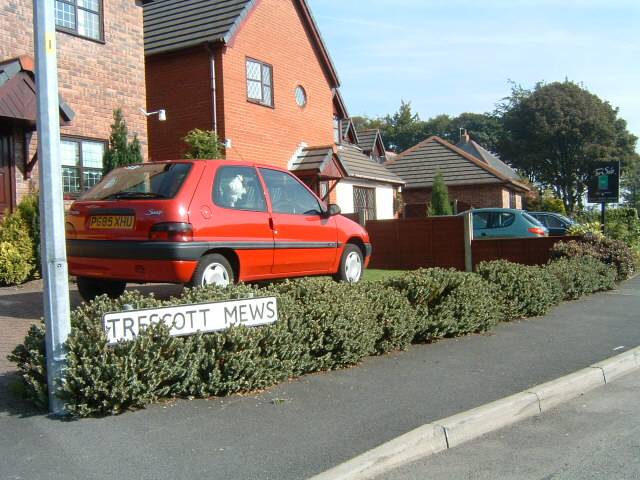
(77, 35)
(256, 102)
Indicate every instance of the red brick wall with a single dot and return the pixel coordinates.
(94, 78)
(180, 83)
(274, 34)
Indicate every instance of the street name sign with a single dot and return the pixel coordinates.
(189, 319)
(604, 182)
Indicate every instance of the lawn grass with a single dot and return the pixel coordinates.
(373, 274)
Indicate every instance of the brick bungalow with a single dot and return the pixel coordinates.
(259, 74)
(474, 177)
(100, 57)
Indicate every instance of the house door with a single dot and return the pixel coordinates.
(6, 174)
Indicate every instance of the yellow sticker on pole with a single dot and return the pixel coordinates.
(50, 42)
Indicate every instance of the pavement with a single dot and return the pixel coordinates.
(594, 437)
(308, 425)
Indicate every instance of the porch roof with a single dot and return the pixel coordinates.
(18, 92)
(318, 161)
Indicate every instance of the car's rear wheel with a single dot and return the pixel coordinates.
(90, 288)
(213, 269)
(351, 264)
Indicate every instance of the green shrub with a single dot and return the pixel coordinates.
(29, 208)
(203, 144)
(623, 224)
(581, 276)
(17, 261)
(525, 291)
(15, 267)
(610, 252)
(448, 302)
(30, 359)
(591, 228)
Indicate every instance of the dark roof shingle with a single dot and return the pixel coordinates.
(419, 165)
(367, 139)
(359, 165)
(475, 149)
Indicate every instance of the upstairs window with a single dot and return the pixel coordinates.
(337, 129)
(259, 82)
(80, 17)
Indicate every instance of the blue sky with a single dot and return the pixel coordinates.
(452, 56)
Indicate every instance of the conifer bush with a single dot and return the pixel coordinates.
(581, 276)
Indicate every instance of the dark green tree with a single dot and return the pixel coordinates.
(631, 183)
(203, 144)
(120, 151)
(440, 204)
(401, 130)
(553, 132)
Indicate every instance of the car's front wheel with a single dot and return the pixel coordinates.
(90, 288)
(213, 269)
(351, 264)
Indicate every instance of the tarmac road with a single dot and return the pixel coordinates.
(594, 437)
(309, 425)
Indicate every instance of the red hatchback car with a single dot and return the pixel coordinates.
(201, 222)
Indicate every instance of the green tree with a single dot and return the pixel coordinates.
(203, 144)
(402, 130)
(440, 204)
(553, 132)
(120, 152)
(631, 183)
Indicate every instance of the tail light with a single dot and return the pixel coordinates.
(172, 232)
(538, 231)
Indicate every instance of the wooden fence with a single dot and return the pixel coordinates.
(529, 251)
(410, 243)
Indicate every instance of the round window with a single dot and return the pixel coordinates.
(301, 96)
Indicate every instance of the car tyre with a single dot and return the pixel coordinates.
(90, 288)
(351, 265)
(213, 269)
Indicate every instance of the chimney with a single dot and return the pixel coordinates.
(464, 136)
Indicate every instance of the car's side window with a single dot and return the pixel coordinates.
(480, 219)
(239, 188)
(553, 222)
(288, 195)
(503, 220)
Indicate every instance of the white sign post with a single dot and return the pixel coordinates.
(190, 319)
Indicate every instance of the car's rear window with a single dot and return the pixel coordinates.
(140, 181)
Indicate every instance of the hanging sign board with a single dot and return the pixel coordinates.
(190, 319)
(604, 182)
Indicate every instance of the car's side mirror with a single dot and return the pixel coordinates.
(333, 210)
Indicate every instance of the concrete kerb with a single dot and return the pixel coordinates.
(457, 429)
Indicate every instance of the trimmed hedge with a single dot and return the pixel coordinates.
(322, 325)
(581, 276)
(448, 303)
(610, 252)
(525, 291)
(17, 259)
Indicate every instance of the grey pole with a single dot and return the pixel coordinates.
(53, 248)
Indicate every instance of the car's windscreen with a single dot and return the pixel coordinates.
(533, 220)
(140, 182)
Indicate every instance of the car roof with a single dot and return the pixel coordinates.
(220, 160)
(498, 209)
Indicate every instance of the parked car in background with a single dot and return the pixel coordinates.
(556, 224)
(504, 223)
(201, 222)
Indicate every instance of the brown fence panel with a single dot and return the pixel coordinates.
(529, 251)
(411, 243)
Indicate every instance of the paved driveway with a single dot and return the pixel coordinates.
(22, 305)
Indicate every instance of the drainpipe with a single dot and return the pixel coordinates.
(212, 77)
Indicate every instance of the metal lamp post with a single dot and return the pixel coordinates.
(53, 248)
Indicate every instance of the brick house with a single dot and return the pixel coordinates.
(473, 179)
(100, 58)
(259, 74)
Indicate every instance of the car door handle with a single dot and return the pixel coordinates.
(272, 226)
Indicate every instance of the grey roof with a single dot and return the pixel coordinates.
(359, 165)
(475, 149)
(177, 24)
(418, 166)
(367, 139)
(347, 124)
(312, 158)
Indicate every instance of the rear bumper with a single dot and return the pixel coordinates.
(139, 271)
